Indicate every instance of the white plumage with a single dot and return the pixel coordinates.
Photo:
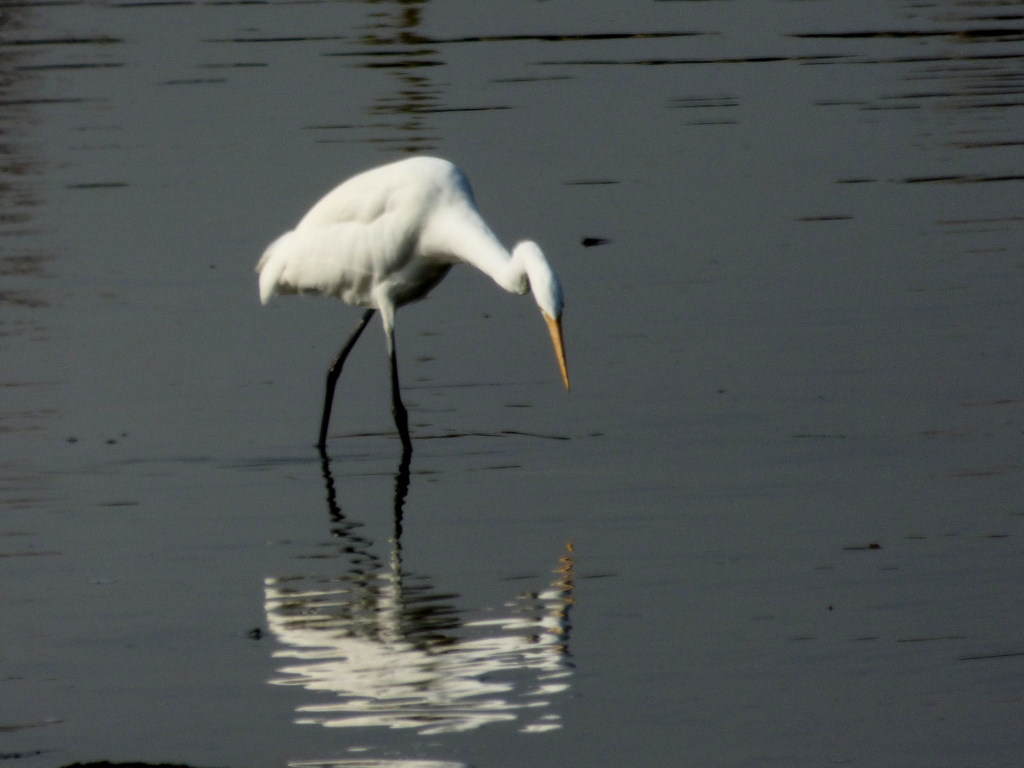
(385, 238)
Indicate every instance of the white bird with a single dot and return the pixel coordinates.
(385, 238)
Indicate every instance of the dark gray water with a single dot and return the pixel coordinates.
(777, 522)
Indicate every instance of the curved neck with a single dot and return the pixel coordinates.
(461, 234)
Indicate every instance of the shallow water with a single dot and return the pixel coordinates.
(778, 520)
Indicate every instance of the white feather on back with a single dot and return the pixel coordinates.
(360, 233)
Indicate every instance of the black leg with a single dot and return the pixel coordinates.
(332, 377)
(397, 407)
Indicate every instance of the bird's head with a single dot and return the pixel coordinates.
(547, 291)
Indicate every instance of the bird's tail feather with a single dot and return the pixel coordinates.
(270, 270)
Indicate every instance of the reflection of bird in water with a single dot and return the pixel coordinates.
(385, 238)
(395, 652)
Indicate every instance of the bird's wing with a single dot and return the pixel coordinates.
(409, 188)
(342, 260)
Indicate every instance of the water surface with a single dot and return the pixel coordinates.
(776, 522)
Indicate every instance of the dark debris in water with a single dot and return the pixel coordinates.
(301, 39)
(235, 65)
(1002, 33)
(22, 755)
(196, 81)
(590, 242)
(82, 65)
(431, 110)
(986, 144)
(156, 4)
(453, 435)
(981, 657)
(529, 79)
(100, 40)
(99, 185)
(669, 62)
(960, 179)
(930, 59)
(561, 38)
(862, 547)
(534, 434)
(15, 727)
(704, 102)
(404, 64)
(388, 52)
(40, 102)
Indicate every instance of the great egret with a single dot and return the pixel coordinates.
(385, 238)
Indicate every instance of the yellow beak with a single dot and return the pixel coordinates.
(555, 327)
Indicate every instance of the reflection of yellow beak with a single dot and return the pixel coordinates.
(555, 326)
